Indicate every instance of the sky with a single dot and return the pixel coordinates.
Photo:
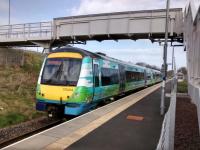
(24, 11)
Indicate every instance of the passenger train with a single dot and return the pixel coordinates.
(73, 81)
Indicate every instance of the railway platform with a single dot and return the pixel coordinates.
(133, 122)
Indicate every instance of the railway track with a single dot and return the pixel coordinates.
(18, 132)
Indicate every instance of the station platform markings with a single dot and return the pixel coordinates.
(135, 118)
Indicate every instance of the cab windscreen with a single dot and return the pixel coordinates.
(61, 71)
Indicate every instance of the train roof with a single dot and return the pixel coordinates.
(96, 55)
(75, 49)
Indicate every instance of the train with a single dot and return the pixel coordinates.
(73, 81)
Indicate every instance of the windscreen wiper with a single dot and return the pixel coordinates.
(58, 72)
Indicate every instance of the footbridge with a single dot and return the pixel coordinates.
(148, 24)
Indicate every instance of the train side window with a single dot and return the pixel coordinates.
(141, 75)
(109, 76)
(96, 75)
(134, 76)
(149, 76)
(130, 76)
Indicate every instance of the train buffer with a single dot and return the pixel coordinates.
(133, 122)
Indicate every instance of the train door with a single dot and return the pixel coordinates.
(145, 78)
(96, 76)
(122, 79)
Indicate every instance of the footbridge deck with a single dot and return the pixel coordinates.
(147, 24)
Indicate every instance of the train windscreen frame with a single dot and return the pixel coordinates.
(61, 71)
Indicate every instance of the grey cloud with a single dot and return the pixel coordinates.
(3, 6)
(97, 6)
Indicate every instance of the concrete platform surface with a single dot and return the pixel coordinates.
(136, 128)
(77, 133)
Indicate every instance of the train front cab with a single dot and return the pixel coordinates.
(65, 84)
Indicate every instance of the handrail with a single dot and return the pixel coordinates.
(26, 23)
(26, 30)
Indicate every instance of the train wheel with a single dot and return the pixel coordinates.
(55, 112)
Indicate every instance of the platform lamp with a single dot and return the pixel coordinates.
(162, 104)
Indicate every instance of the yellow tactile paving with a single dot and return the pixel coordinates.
(78, 134)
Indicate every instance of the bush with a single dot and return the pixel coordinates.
(33, 62)
(182, 87)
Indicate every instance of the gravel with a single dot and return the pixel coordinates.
(186, 129)
(23, 128)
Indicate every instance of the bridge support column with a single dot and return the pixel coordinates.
(47, 46)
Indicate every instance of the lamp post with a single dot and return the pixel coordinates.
(173, 58)
(162, 104)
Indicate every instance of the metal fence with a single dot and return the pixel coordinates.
(166, 141)
(11, 57)
(27, 30)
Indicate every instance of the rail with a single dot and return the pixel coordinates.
(27, 30)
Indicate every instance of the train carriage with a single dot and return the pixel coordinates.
(72, 81)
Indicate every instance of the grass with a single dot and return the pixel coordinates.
(182, 87)
(12, 118)
(17, 90)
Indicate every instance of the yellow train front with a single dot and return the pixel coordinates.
(72, 81)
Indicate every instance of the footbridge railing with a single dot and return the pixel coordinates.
(26, 31)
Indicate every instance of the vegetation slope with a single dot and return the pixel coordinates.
(17, 90)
